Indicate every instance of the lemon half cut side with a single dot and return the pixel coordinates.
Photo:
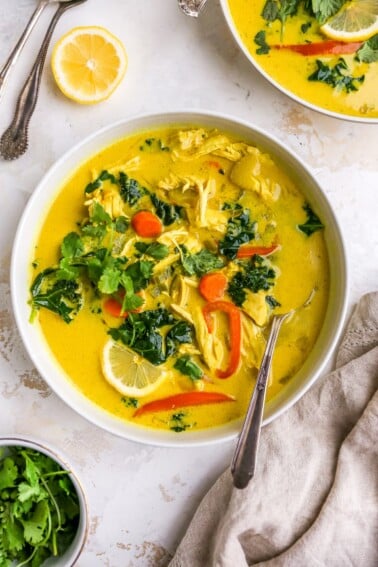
(88, 63)
(356, 21)
(128, 372)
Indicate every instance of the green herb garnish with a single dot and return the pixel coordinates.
(188, 367)
(143, 333)
(39, 508)
(324, 9)
(199, 263)
(155, 249)
(368, 52)
(336, 76)
(312, 224)
(260, 41)
(255, 275)
(240, 230)
(167, 212)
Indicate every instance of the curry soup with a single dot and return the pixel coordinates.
(338, 83)
(198, 239)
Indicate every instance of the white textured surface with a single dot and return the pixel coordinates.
(141, 498)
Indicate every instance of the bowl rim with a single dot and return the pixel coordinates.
(36, 443)
(68, 393)
(234, 32)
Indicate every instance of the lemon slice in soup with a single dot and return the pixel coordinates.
(356, 21)
(129, 373)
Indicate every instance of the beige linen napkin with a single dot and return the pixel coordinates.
(314, 498)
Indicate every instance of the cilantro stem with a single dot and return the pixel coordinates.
(28, 559)
(45, 484)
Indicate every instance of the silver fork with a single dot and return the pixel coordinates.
(13, 57)
(192, 7)
(14, 141)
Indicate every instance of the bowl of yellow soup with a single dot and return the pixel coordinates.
(288, 45)
(148, 265)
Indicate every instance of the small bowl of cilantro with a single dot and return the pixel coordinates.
(43, 512)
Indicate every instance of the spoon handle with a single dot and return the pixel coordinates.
(14, 141)
(244, 460)
(13, 57)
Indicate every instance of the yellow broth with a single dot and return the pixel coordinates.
(241, 174)
(291, 70)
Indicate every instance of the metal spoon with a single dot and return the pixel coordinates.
(14, 141)
(13, 57)
(244, 460)
(192, 7)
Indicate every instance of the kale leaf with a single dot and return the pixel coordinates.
(312, 224)
(180, 333)
(130, 189)
(255, 275)
(335, 76)
(104, 176)
(240, 230)
(272, 301)
(167, 212)
(141, 332)
(60, 296)
(260, 41)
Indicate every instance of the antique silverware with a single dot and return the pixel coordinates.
(13, 57)
(14, 141)
(244, 460)
(192, 7)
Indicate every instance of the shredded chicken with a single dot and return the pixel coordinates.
(256, 307)
(253, 343)
(109, 198)
(204, 188)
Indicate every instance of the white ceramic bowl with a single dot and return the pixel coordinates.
(304, 102)
(71, 555)
(27, 234)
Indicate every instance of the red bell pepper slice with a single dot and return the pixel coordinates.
(329, 47)
(235, 332)
(183, 400)
(248, 251)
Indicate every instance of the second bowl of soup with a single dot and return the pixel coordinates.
(160, 250)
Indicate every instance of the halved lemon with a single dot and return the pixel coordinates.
(356, 21)
(130, 374)
(88, 63)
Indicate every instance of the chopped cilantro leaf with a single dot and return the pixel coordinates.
(324, 9)
(199, 263)
(368, 52)
(39, 509)
(155, 250)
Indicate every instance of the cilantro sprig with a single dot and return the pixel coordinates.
(39, 508)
